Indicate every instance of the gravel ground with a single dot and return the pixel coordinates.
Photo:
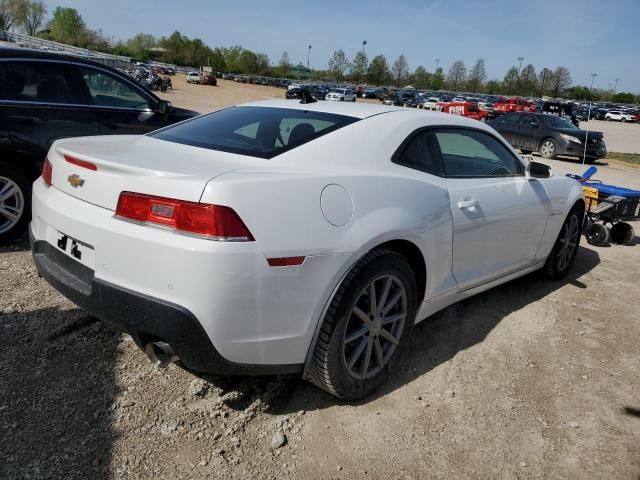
(530, 380)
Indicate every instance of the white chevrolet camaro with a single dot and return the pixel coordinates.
(277, 237)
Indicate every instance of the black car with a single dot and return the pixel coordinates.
(46, 96)
(550, 135)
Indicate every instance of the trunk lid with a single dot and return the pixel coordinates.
(137, 164)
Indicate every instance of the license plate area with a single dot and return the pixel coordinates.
(72, 247)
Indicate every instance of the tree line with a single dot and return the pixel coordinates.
(67, 26)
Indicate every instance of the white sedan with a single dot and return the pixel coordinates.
(277, 237)
(193, 77)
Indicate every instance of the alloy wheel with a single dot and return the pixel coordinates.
(11, 204)
(548, 148)
(568, 242)
(375, 326)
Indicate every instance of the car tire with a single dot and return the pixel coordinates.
(564, 251)
(607, 119)
(623, 120)
(355, 350)
(548, 148)
(622, 233)
(597, 234)
(354, 100)
(15, 200)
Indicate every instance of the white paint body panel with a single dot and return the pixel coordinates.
(258, 314)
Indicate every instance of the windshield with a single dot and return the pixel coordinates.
(558, 122)
(341, 91)
(262, 132)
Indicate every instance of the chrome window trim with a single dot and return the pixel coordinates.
(137, 87)
(74, 105)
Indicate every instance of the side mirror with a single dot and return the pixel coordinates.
(164, 107)
(538, 170)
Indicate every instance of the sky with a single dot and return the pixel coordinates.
(586, 36)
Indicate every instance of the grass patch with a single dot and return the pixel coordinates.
(625, 157)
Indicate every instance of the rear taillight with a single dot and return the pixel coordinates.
(210, 221)
(47, 172)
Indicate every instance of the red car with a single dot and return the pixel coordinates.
(464, 109)
(512, 104)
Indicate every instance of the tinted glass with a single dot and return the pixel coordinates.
(417, 154)
(256, 131)
(558, 122)
(45, 82)
(511, 118)
(108, 91)
(527, 120)
(470, 153)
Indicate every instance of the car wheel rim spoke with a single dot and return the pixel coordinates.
(358, 352)
(7, 191)
(387, 336)
(375, 326)
(356, 335)
(367, 357)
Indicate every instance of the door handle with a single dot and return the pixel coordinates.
(468, 204)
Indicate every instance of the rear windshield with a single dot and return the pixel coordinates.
(262, 132)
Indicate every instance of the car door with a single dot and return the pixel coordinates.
(124, 107)
(499, 216)
(508, 127)
(42, 104)
(529, 132)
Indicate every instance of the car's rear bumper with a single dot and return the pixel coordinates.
(225, 292)
(143, 317)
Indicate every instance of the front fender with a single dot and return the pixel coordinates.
(563, 193)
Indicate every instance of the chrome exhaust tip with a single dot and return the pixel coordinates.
(161, 354)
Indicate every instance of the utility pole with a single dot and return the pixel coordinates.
(364, 42)
(308, 55)
(520, 59)
(615, 86)
(586, 138)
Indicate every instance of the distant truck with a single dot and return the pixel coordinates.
(207, 77)
(464, 109)
(512, 104)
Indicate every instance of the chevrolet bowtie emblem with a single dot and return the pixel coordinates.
(75, 181)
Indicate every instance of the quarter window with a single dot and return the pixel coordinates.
(470, 153)
(108, 91)
(418, 154)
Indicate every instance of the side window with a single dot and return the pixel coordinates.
(527, 120)
(513, 119)
(109, 91)
(417, 153)
(471, 153)
(46, 82)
